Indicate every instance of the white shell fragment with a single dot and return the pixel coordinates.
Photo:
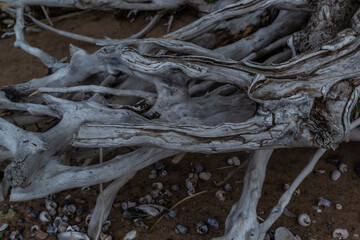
(72, 236)
(130, 235)
(234, 160)
(282, 233)
(324, 202)
(338, 206)
(340, 233)
(3, 227)
(45, 217)
(335, 175)
(343, 167)
(304, 220)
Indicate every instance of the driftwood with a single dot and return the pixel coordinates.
(185, 92)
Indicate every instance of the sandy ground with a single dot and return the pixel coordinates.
(17, 66)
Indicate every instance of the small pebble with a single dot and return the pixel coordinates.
(41, 234)
(227, 187)
(198, 168)
(338, 206)
(180, 229)
(334, 160)
(205, 176)
(130, 235)
(78, 219)
(213, 223)
(175, 187)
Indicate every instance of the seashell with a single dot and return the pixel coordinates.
(75, 228)
(198, 168)
(51, 229)
(317, 209)
(191, 182)
(335, 175)
(334, 160)
(144, 211)
(34, 229)
(159, 165)
(340, 233)
(85, 189)
(158, 185)
(296, 192)
(88, 218)
(15, 235)
(320, 171)
(130, 235)
(175, 187)
(288, 213)
(234, 160)
(78, 219)
(220, 195)
(163, 172)
(106, 226)
(139, 222)
(70, 229)
(65, 218)
(126, 205)
(304, 220)
(260, 211)
(52, 212)
(3, 227)
(180, 229)
(155, 193)
(324, 202)
(338, 206)
(81, 209)
(286, 186)
(142, 200)
(29, 210)
(105, 237)
(201, 228)
(213, 223)
(57, 221)
(50, 204)
(53, 196)
(69, 209)
(153, 174)
(343, 167)
(41, 234)
(45, 217)
(63, 227)
(283, 233)
(205, 176)
(227, 187)
(72, 236)
(35, 214)
(172, 213)
(148, 198)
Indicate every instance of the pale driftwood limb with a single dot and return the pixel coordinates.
(46, 59)
(56, 177)
(286, 23)
(99, 89)
(280, 57)
(268, 49)
(102, 208)
(285, 198)
(101, 216)
(148, 27)
(169, 24)
(46, 15)
(236, 10)
(242, 222)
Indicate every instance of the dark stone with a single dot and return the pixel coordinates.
(357, 169)
(334, 160)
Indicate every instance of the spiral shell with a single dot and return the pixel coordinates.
(181, 229)
(340, 233)
(15, 235)
(220, 195)
(50, 204)
(213, 223)
(201, 228)
(304, 220)
(69, 209)
(234, 160)
(324, 202)
(34, 229)
(343, 167)
(45, 217)
(158, 185)
(335, 175)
